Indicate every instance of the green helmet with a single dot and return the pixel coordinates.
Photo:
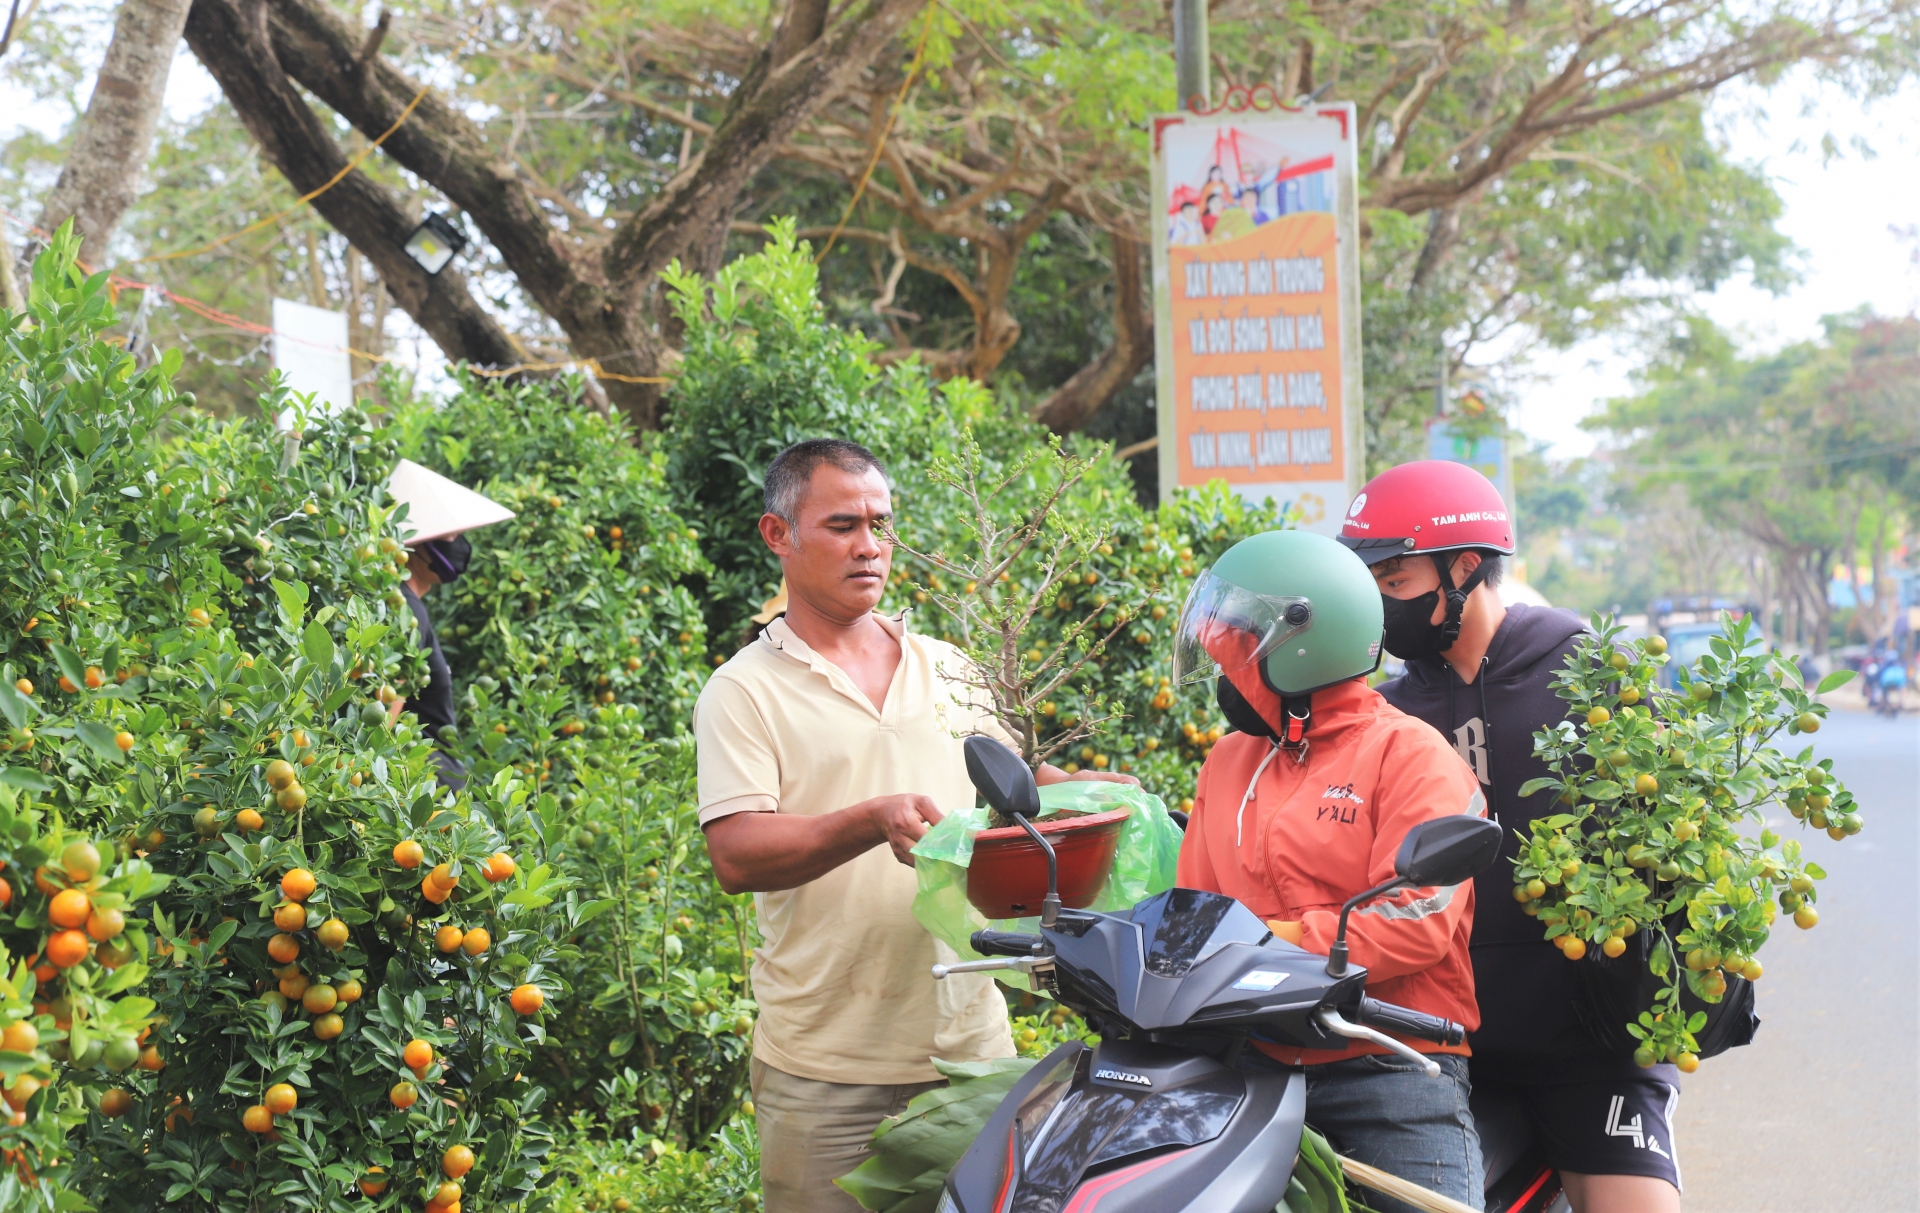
(1302, 604)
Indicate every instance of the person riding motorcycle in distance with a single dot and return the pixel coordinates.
(1304, 805)
(1434, 534)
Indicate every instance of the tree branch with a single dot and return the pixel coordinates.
(113, 139)
(1074, 403)
(800, 27)
(232, 42)
(701, 200)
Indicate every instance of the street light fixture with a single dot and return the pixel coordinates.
(435, 242)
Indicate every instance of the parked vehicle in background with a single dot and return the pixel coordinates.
(1689, 625)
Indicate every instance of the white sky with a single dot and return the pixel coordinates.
(1841, 214)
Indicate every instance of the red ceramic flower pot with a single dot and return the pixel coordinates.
(1008, 875)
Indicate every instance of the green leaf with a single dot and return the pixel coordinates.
(17, 708)
(221, 934)
(37, 435)
(1834, 681)
(1696, 1021)
(620, 1045)
(69, 663)
(1816, 871)
(592, 910)
(317, 644)
(1318, 1171)
(99, 739)
(1536, 785)
(24, 779)
(293, 600)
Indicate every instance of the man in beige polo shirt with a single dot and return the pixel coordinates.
(827, 747)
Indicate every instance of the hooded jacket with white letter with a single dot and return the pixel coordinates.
(1292, 840)
(1527, 989)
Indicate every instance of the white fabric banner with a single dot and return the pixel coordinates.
(310, 349)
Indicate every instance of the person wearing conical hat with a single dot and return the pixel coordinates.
(439, 513)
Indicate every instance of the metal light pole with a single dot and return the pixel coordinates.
(1190, 52)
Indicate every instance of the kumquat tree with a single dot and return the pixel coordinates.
(1656, 860)
(258, 954)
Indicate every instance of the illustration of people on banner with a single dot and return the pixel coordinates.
(1249, 183)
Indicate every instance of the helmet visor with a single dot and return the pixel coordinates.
(1224, 628)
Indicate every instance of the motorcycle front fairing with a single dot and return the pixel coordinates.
(1186, 966)
(1157, 1117)
(1134, 1128)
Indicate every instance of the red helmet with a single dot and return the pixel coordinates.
(1433, 505)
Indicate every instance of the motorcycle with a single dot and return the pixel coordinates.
(1519, 1180)
(1157, 1116)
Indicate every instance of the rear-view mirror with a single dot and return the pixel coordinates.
(1447, 850)
(1001, 777)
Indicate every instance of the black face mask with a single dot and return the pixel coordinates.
(1243, 716)
(1410, 632)
(448, 557)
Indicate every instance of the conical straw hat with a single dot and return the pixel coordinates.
(437, 507)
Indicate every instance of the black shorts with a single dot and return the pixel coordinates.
(1615, 1119)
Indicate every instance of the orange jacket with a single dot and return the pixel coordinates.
(1293, 840)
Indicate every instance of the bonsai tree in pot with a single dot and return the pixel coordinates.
(1011, 567)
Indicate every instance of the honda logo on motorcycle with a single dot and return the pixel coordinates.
(1123, 1076)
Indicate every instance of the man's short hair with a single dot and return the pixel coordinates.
(792, 470)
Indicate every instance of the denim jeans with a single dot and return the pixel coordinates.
(1386, 1113)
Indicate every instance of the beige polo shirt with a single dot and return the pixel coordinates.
(842, 975)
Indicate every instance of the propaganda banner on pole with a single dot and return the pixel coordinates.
(1256, 276)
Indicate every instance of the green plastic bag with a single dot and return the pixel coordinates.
(1143, 864)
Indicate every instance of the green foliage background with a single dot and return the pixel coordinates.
(215, 597)
(237, 590)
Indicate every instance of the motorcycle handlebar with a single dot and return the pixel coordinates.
(1004, 943)
(1407, 1022)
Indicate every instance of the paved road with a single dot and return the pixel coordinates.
(1822, 1111)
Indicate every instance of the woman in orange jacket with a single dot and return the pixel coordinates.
(1305, 805)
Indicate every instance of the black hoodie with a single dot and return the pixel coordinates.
(1526, 988)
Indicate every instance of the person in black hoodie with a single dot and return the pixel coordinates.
(1435, 534)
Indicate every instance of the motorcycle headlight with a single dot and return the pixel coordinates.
(947, 1203)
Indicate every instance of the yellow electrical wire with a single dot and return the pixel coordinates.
(332, 181)
(919, 57)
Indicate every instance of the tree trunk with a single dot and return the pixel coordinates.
(801, 27)
(593, 288)
(1075, 402)
(1885, 600)
(114, 138)
(1814, 577)
(230, 38)
(1443, 229)
(10, 296)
